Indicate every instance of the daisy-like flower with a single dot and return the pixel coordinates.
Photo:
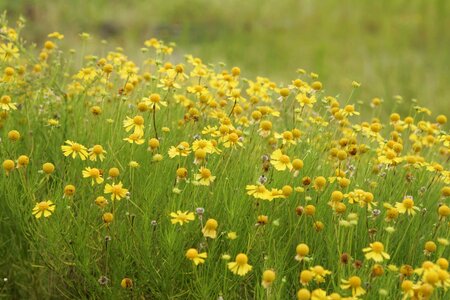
(86, 74)
(407, 206)
(197, 258)
(137, 123)
(319, 294)
(210, 229)
(116, 190)
(304, 100)
(135, 138)
(182, 149)
(155, 99)
(6, 104)
(231, 140)
(182, 217)
(8, 52)
(353, 283)
(74, 149)
(93, 173)
(44, 208)
(280, 161)
(259, 192)
(205, 145)
(287, 138)
(408, 288)
(390, 158)
(375, 251)
(240, 266)
(97, 152)
(427, 267)
(204, 177)
(319, 273)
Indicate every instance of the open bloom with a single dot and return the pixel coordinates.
(93, 173)
(259, 192)
(45, 208)
(97, 152)
(407, 206)
(197, 258)
(210, 229)
(240, 266)
(182, 217)
(353, 283)
(376, 252)
(137, 123)
(6, 104)
(74, 149)
(204, 177)
(116, 190)
(280, 161)
(231, 140)
(8, 52)
(135, 138)
(182, 149)
(204, 145)
(319, 273)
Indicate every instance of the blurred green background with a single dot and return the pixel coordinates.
(393, 47)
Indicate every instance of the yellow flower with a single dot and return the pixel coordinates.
(197, 258)
(406, 206)
(287, 138)
(232, 235)
(6, 104)
(354, 283)
(137, 123)
(319, 294)
(268, 278)
(182, 149)
(45, 208)
(93, 173)
(319, 273)
(375, 251)
(204, 177)
(280, 161)
(304, 100)
(86, 74)
(240, 266)
(8, 52)
(133, 164)
(305, 277)
(135, 138)
(259, 192)
(182, 217)
(8, 166)
(210, 229)
(155, 100)
(56, 35)
(74, 149)
(231, 140)
(97, 151)
(116, 190)
(205, 145)
(302, 251)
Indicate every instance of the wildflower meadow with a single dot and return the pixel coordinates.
(169, 177)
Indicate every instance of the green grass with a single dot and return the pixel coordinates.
(64, 256)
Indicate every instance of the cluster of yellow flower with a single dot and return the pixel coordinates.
(289, 144)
